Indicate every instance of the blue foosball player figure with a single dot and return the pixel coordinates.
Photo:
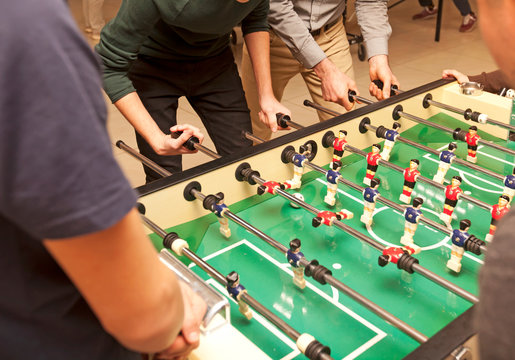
(389, 141)
(412, 216)
(459, 239)
(294, 255)
(299, 160)
(446, 159)
(235, 290)
(219, 208)
(332, 177)
(509, 185)
(369, 196)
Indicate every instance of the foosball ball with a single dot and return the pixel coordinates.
(359, 237)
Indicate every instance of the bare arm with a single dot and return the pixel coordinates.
(133, 110)
(135, 297)
(258, 45)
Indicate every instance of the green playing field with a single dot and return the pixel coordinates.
(331, 317)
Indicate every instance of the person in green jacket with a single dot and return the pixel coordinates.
(155, 51)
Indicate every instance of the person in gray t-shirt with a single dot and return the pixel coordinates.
(79, 278)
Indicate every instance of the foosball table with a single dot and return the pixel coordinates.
(301, 227)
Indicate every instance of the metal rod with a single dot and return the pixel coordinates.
(463, 112)
(421, 178)
(256, 305)
(378, 246)
(328, 278)
(448, 130)
(146, 161)
(447, 284)
(321, 108)
(435, 152)
(354, 97)
(253, 137)
(443, 229)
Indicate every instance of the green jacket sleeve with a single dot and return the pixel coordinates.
(120, 42)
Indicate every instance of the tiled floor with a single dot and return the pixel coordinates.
(415, 59)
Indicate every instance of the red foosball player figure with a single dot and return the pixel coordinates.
(471, 139)
(328, 217)
(389, 140)
(299, 160)
(412, 216)
(452, 194)
(446, 158)
(219, 208)
(294, 256)
(410, 179)
(339, 145)
(498, 211)
(332, 176)
(369, 196)
(394, 253)
(372, 163)
(270, 187)
(509, 185)
(235, 291)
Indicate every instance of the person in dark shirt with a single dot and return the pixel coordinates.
(495, 318)
(156, 51)
(493, 81)
(78, 276)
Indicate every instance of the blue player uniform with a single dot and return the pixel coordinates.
(459, 237)
(447, 156)
(218, 209)
(298, 159)
(390, 135)
(370, 194)
(332, 176)
(235, 291)
(411, 215)
(509, 181)
(293, 258)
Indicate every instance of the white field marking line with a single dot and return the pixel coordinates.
(349, 195)
(444, 242)
(264, 322)
(483, 153)
(463, 172)
(430, 247)
(380, 334)
(493, 157)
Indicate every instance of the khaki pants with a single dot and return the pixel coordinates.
(284, 66)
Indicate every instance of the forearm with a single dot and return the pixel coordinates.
(258, 45)
(135, 297)
(135, 112)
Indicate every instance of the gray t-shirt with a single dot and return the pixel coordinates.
(58, 178)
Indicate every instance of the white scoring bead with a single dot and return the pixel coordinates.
(298, 196)
(303, 342)
(482, 118)
(178, 245)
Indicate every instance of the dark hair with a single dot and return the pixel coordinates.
(294, 244)
(336, 164)
(232, 277)
(457, 177)
(415, 161)
(417, 201)
(374, 182)
(452, 146)
(465, 223)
